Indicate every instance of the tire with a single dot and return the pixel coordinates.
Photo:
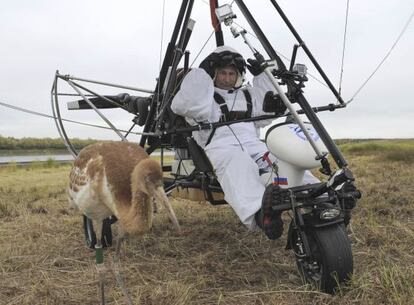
(90, 235)
(332, 262)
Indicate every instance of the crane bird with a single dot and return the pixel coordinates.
(117, 178)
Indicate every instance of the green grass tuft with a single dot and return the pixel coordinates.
(5, 210)
(49, 163)
(11, 166)
(385, 150)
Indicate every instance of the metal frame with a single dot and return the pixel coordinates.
(159, 128)
(76, 87)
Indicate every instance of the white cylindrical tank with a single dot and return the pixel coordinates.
(289, 144)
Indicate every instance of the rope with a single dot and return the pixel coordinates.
(66, 120)
(343, 48)
(385, 57)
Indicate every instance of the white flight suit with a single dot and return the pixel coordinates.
(235, 151)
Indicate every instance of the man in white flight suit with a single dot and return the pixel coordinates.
(213, 93)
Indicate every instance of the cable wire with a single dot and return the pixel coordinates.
(343, 53)
(202, 48)
(161, 46)
(343, 48)
(162, 33)
(385, 57)
(66, 120)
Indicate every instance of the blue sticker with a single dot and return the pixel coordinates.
(298, 131)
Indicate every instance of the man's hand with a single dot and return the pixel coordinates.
(254, 66)
(273, 103)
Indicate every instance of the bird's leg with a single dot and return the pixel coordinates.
(116, 265)
(122, 235)
(100, 267)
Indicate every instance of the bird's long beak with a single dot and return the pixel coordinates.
(161, 197)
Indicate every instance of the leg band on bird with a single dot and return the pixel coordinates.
(98, 254)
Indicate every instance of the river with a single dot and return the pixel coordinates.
(57, 157)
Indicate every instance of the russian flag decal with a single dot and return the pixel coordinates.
(280, 181)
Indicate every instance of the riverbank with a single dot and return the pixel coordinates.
(24, 156)
(10, 143)
(26, 152)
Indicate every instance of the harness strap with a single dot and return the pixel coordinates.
(227, 115)
(222, 103)
(248, 98)
(213, 131)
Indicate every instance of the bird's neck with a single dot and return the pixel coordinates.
(138, 217)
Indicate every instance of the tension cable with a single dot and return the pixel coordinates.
(385, 57)
(67, 120)
(202, 48)
(343, 47)
(162, 33)
(161, 45)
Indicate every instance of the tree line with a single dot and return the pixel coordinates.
(10, 143)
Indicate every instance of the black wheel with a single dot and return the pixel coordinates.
(90, 235)
(331, 263)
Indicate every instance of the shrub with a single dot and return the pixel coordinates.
(400, 155)
(50, 162)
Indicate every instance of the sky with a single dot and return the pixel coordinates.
(122, 42)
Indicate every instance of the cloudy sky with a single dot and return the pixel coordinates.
(120, 42)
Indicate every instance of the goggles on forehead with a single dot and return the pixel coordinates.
(221, 60)
(229, 58)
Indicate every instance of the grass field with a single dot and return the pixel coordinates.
(44, 260)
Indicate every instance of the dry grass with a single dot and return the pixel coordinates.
(43, 258)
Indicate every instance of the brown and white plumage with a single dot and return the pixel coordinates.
(118, 178)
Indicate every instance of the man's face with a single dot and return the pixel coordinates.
(226, 77)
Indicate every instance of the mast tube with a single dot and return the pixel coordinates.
(216, 24)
